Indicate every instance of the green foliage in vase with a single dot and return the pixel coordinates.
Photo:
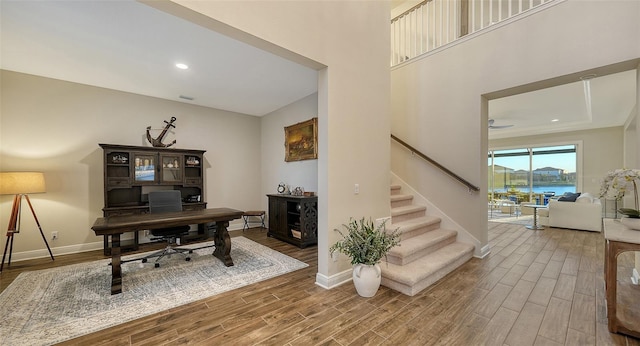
(365, 243)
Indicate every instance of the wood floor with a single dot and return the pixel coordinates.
(535, 288)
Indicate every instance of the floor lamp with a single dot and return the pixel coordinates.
(20, 184)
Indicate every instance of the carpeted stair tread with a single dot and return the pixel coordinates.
(426, 254)
(420, 269)
(410, 249)
(415, 223)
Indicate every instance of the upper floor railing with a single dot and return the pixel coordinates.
(434, 23)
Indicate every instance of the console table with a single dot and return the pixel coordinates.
(294, 219)
(115, 226)
(618, 239)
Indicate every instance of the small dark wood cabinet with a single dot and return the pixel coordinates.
(294, 219)
(130, 172)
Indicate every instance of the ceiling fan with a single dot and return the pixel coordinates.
(491, 126)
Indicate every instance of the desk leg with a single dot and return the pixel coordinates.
(116, 270)
(223, 243)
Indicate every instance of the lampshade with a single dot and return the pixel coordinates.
(13, 183)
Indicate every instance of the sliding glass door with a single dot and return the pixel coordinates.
(533, 174)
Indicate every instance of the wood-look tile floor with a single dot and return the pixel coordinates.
(535, 288)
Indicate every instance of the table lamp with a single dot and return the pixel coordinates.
(20, 184)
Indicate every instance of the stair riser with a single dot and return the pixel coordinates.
(419, 254)
(395, 190)
(401, 203)
(407, 216)
(418, 231)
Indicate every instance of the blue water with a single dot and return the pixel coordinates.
(559, 190)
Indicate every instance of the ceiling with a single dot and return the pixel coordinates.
(588, 103)
(132, 47)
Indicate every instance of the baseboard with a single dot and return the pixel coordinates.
(57, 251)
(329, 282)
(484, 252)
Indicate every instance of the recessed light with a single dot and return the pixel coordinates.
(182, 66)
(555, 120)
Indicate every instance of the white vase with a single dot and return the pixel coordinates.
(632, 223)
(367, 279)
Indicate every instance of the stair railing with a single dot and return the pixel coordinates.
(414, 151)
(435, 23)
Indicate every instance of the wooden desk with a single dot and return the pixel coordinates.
(618, 239)
(117, 225)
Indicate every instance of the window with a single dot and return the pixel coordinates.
(532, 174)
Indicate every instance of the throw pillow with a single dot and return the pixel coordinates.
(585, 198)
(569, 197)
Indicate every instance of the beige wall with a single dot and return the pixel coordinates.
(274, 168)
(55, 127)
(598, 152)
(350, 38)
(347, 41)
(437, 103)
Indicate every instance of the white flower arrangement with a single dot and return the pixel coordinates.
(617, 183)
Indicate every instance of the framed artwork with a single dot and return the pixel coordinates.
(301, 141)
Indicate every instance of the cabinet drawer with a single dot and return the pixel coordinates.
(118, 182)
(198, 206)
(192, 181)
(125, 212)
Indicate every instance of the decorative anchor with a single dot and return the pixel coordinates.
(157, 142)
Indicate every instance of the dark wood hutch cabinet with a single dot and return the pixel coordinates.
(294, 219)
(131, 171)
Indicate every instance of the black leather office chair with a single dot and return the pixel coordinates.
(163, 202)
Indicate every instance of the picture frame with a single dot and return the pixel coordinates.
(301, 141)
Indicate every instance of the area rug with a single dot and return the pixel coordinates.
(48, 306)
(496, 216)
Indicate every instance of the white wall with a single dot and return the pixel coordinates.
(274, 168)
(55, 126)
(437, 103)
(350, 38)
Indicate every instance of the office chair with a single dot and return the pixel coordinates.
(162, 202)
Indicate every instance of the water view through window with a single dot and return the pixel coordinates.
(532, 174)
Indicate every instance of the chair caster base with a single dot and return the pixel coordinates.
(188, 259)
(144, 260)
(157, 265)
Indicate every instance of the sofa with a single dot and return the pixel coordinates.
(583, 214)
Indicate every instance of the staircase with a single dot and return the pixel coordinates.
(426, 252)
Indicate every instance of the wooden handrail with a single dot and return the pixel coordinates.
(464, 182)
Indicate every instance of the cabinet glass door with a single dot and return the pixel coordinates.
(144, 168)
(171, 168)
